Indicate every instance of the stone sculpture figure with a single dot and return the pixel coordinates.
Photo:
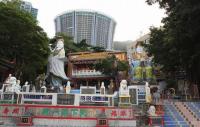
(152, 110)
(148, 93)
(123, 90)
(12, 84)
(7, 81)
(156, 97)
(55, 69)
(68, 87)
(17, 86)
(102, 89)
(111, 87)
(26, 87)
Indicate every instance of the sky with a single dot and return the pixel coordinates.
(133, 17)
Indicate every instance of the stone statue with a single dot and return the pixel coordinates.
(156, 97)
(102, 88)
(152, 110)
(111, 87)
(148, 93)
(12, 84)
(123, 90)
(55, 69)
(7, 81)
(33, 89)
(17, 86)
(68, 87)
(26, 87)
(43, 89)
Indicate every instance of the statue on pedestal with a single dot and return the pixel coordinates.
(7, 81)
(43, 89)
(12, 84)
(156, 97)
(17, 86)
(26, 87)
(55, 69)
(68, 87)
(148, 93)
(111, 87)
(152, 110)
(102, 89)
(123, 90)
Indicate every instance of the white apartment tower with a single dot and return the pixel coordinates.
(97, 28)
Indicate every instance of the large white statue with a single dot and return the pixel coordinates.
(123, 90)
(148, 93)
(55, 70)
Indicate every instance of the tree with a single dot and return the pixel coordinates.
(70, 46)
(22, 40)
(98, 49)
(179, 43)
(111, 66)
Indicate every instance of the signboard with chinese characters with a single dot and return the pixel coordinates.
(66, 111)
(65, 99)
(87, 90)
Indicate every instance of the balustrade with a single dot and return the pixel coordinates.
(86, 73)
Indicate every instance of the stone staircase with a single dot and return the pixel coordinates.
(189, 112)
(173, 117)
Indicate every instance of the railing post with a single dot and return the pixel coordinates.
(54, 99)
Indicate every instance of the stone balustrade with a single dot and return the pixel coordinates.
(86, 73)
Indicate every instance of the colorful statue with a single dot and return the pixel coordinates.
(138, 73)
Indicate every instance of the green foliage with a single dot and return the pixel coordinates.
(22, 40)
(70, 46)
(98, 49)
(176, 45)
(107, 66)
(111, 65)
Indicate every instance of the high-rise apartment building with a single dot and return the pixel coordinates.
(97, 28)
(27, 6)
